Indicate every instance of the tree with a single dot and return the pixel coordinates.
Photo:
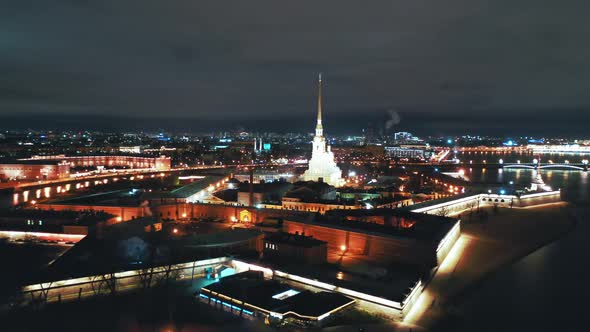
(169, 274)
(43, 293)
(471, 205)
(104, 283)
(146, 276)
(443, 211)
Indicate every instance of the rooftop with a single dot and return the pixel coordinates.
(265, 187)
(293, 239)
(125, 197)
(5, 161)
(196, 186)
(426, 227)
(275, 296)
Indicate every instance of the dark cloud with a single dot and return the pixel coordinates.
(239, 60)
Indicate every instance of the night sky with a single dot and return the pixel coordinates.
(453, 66)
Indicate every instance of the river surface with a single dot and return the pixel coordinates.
(547, 290)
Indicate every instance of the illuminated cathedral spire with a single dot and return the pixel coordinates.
(318, 128)
(322, 166)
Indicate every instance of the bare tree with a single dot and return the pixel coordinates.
(104, 284)
(169, 274)
(111, 282)
(443, 211)
(471, 205)
(145, 276)
(43, 293)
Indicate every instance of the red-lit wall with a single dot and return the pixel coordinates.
(384, 249)
(159, 163)
(120, 213)
(33, 172)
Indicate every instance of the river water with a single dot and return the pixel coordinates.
(547, 290)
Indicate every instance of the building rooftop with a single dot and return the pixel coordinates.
(275, 296)
(437, 201)
(425, 227)
(125, 197)
(8, 161)
(265, 187)
(196, 186)
(293, 239)
(395, 285)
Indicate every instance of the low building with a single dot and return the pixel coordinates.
(262, 192)
(310, 190)
(405, 152)
(33, 169)
(250, 296)
(320, 206)
(200, 190)
(297, 247)
(266, 175)
(383, 235)
(161, 163)
(314, 197)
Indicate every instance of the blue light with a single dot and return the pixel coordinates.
(502, 192)
(247, 312)
(436, 169)
(509, 143)
(204, 296)
(449, 141)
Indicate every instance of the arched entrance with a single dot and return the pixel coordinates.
(245, 216)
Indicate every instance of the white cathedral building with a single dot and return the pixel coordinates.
(322, 166)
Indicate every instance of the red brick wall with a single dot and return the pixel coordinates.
(125, 213)
(199, 210)
(381, 248)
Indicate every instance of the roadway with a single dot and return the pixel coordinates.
(106, 174)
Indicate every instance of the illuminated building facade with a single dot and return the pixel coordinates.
(159, 163)
(322, 166)
(405, 152)
(34, 170)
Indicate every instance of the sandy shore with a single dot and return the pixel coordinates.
(483, 248)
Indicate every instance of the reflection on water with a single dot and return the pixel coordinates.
(574, 184)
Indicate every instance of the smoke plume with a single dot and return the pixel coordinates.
(392, 119)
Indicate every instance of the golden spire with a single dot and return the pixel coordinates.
(318, 128)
